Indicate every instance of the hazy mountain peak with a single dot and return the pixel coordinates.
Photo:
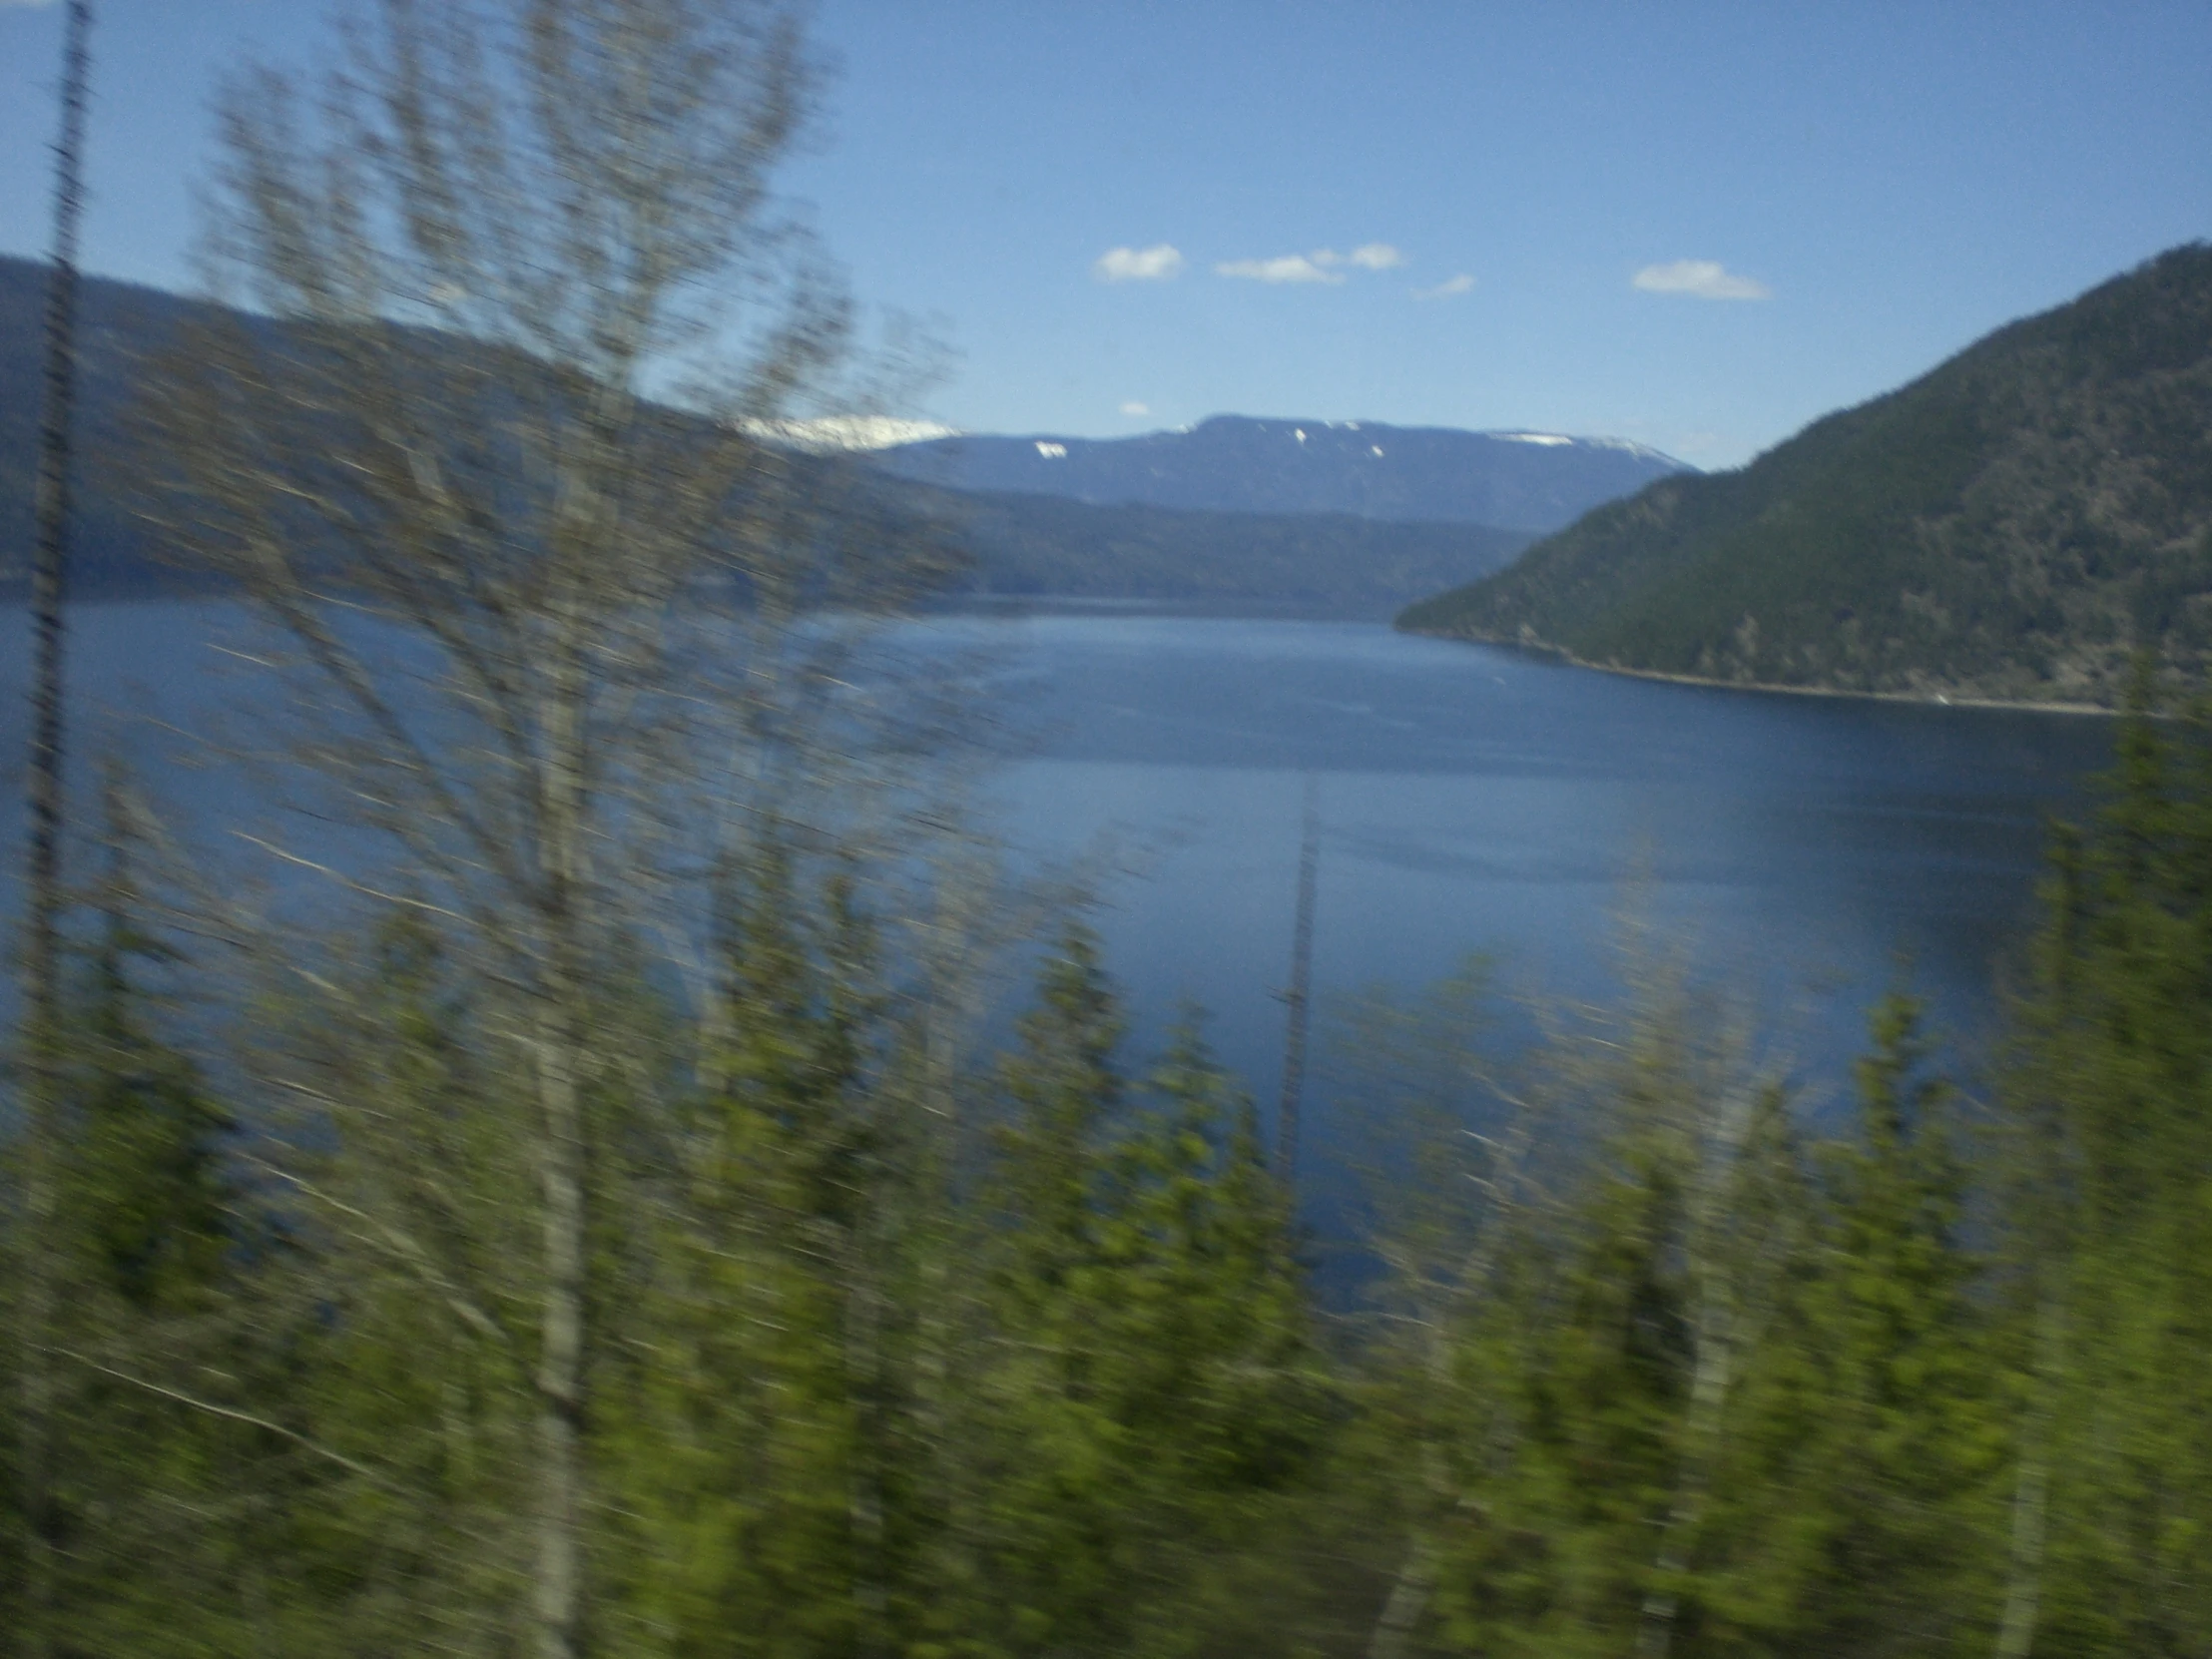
(1522, 480)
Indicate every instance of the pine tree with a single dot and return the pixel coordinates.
(1873, 1434)
(1149, 1392)
(2112, 1095)
(152, 1241)
(1612, 1368)
(750, 1437)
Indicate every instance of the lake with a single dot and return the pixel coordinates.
(1469, 799)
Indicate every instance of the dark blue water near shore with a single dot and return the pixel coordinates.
(1480, 800)
(1471, 799)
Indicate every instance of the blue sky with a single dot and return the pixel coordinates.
(1822, 201)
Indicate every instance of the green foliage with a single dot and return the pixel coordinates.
(2014, 524)
(1623, 1348)
(1149, 1371)
(152, 1247)
(1039, 545)
(1657, 1372)
(1708, 1388)
(745, 1439)
(1020, 1359)
(153, 1197)
(2112, 1099)
(1890, 1425)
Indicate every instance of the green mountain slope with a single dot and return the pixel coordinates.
(1332, 562)
(2014, 524)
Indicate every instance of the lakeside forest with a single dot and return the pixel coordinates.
(570, 1191)
(2017, 525)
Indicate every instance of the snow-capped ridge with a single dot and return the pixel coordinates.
(1518, 478)
(831, 434)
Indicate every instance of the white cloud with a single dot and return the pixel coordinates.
(1284, 268)
(1700, 279)
(1137, 264)
(1133, 407)
(1450, 288)
(1322, 264)
(1374, 256)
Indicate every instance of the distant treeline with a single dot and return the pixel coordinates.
(1334, 562)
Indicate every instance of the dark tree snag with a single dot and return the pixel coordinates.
(41, 953)
(1298, 996)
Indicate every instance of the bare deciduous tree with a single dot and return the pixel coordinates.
(490, 469)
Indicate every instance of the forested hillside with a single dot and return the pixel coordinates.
(118, 323)
(2016, 524)
(1009, 543)
(1332, 562)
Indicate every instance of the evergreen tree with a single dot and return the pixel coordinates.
(1149, 1386)
(1611, 1370)
(2111, 1093)
(152, 1247)
(751, 1435)
(1871, 1434)
(1906, 1433)
(411, 1292)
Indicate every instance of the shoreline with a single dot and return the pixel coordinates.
(1933, 699)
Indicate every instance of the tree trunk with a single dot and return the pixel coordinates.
(1302, 974)
(1416, 1575)
(1409, 1599)
(2024, 1590)
(557, 1589)
(1716, 1343)
(1716, 1263)
(42, 954)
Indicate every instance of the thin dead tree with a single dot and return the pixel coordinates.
(531, 600)
(1457, 1202)
(1299, 995)
(42, 929)
(1506, 1186)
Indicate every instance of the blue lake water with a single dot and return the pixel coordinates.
(1470, 798)
(1474, 799)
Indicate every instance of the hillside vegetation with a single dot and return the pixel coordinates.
(1011, 543)
(1036, 545)
(2015, 524)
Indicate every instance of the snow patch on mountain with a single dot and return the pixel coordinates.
(830, 435)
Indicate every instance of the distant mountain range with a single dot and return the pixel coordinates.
(1236, 511)
(1532, 481)
(2016, 524)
